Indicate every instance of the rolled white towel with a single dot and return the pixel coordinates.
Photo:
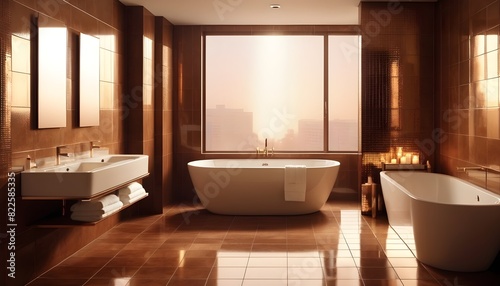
(104, 210)
(135, 199)
(91, 218)
(130, 189)
(95, 204)
(134, 196)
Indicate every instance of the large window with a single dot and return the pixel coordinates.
(283, 88)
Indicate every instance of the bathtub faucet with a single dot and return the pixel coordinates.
(265, 151)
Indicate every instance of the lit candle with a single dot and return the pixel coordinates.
(402, 160)
(415, 159)
(393, 161)
(408, 158)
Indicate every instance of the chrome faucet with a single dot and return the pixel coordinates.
(265, 151)
(94, 145)
(61, 151)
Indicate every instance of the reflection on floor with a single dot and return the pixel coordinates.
(190, 246)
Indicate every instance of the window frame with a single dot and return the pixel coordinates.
(326, 116)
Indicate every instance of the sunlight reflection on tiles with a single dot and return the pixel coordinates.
(266, 273)
(403, 262)
(305, 273)
(267, 262)
(343, 273)
(339, 262)
(223, 282)
(260, 282)
(304, 254)
(119, 281)
(228, 273)
(399, 253)
(226, 253)
(405, 232)
(396, 246)
(231, 261)
(344, 253)
(267, 254)
(344, 282)
(305, 262)
(318, 282)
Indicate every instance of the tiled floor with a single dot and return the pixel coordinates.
(189, 246)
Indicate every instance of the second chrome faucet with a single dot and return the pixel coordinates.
(94, 145)
(62, 151)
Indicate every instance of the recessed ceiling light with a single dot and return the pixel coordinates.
(275, 6)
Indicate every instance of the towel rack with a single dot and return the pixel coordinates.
(486, 170)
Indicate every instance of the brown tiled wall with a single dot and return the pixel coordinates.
(398, 79)
(37, 249)
(5, 134)
(149, 104)
(163, 112)
(40, 143)
(468, 89)
(140, 84)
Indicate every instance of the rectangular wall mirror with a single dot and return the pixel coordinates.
(52, 58)
(89, 80)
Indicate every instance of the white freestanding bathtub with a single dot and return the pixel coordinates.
(456, 225)
(257, 186)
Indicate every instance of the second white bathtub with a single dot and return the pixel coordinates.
(456, 225)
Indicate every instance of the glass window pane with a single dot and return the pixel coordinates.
(343, 92)
(259, 87)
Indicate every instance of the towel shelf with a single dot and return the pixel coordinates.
(66, 221)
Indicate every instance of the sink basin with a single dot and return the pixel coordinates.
(83, 179)
(113, 158)
(77, 167)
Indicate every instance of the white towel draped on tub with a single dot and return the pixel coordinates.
(295, 183)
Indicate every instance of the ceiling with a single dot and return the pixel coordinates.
(252, 12)
(256, 12)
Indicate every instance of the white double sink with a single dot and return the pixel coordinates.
(83, 179)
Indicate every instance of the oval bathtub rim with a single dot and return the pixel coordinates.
(332, 163)
(413, 197)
